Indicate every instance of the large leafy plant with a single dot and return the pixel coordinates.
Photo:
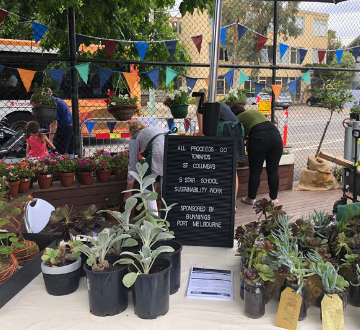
(235, 95)
(178, 97)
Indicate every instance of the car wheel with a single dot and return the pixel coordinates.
(285, 108)
(18, 121)
(309, 104)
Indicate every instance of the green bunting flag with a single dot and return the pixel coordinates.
(243, 78)
(306, 77)
(83, 70)
(170, 75)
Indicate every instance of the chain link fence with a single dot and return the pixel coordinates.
(308, 34)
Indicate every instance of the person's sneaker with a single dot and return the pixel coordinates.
(248, 201)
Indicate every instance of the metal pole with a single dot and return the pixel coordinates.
(215, 48)
(273, 80)
(74, 82)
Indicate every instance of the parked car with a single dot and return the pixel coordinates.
(251, 99)
(284, 99)
(314, 100)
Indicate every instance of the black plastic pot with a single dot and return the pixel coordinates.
(303, 308)
(254, 300)
(60, 281)
(354, 295)
(175, 259)
(151, 292)
(44, 114)
(106, 291)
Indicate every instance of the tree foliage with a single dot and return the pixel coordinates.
(333, 43)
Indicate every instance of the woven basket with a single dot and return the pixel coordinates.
(122, 112)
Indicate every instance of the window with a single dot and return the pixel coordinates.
(176, 27)
(300, 23)
(267, 55)
(225, 53)
(222, 86)
(315, 56)
(320, 28)
(262, 80)
(295, 56)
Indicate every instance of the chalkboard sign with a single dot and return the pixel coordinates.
(199, 175)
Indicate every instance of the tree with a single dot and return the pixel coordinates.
(333, 44)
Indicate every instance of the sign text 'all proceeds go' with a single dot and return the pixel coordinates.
(199, 175)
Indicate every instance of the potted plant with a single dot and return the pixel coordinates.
(122, 107)
(66, 167)
(104, 164)
(25, 175)
(86, 167)
(8, 263)
(89, 221)
(10, 172)
(235, 97)
(111, 205)
(352, 263)
(44, 105)
(178, 101)
(106, 291)
(355, 111)
(120, 165)
(44, 169)
(61, 271)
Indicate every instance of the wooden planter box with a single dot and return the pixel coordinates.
(286, 174)
(24, 275)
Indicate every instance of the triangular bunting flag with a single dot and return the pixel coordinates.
(104, 75)
(306, 77)
(261, 41)
(27, 77)
(3, 15)
(170, 122)
(130, 79)
(141, 47)
(187, 124)
(110, 46)
(223, 35)
(197, 41)
(83, 70)
(57, 76)
(89, 125)
(243, 77)
(241, 30)
(154, 76)
(79, 40)
(283, 49)
(190, 82)
(276, 89)
(111, 125)
(321, 54)
(258, 88)
(38, 30)
(2, 67)
(356, 52)
(302, 53)
(171, 46)
(207, 81)
(292, 86)
(339, 54)
(229, 77)
(170, 75)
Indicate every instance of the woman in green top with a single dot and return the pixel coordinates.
(264, 143)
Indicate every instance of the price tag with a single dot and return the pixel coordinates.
(272, 287)
(313, 288)
(332, 312)
(289, 309)
(48, 175)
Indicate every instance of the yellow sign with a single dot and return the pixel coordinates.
(265, 106)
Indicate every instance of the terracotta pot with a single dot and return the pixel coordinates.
(24, 185)
(44, 180)
(120, 175)
(14, 188)
(67, 179)
(32, 182)
(109, 216)
(87, 179)
(103, 175)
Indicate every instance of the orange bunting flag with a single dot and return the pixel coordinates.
(130, 79)
(207, 81)
(276, 89)
(27, 77)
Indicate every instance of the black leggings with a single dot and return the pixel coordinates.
(265, 143)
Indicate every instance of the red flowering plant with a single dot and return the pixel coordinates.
(121, 160)
(10, 172)
(86, 164)
(103, 160)
(66, 164)
(114, 99)
(43, 165)
(25, 171)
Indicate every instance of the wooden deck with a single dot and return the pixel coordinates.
(295, 203)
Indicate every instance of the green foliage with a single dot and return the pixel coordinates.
(112, 202)
(5, 246)
(62, 220)
(347, 61)
(66, 164)
(89, 220)
(103, 160)
(124, 242)
(56, 257)
(286, 151)
(114, 99)
(355, 108)
(235, 95)
(42, 97)
(121, 160)
(333, 43)
(178, 97)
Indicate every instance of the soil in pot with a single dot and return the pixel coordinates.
(106, 291)
(8, 266)
(175, 259)
(151, 292)
(24, 185)
(254, 300)
(60, 281)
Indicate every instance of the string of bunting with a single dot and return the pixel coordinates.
(110, 44)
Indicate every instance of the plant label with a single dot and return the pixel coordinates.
(332, 312)
(313, 286)
(289, 309)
